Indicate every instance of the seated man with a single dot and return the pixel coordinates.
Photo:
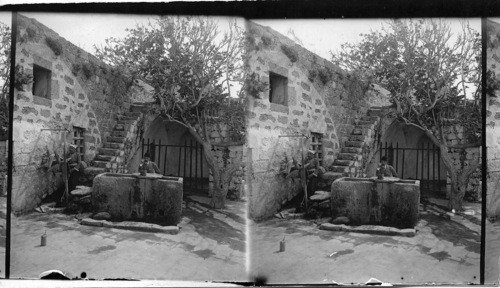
(148, 166)
(385, 170)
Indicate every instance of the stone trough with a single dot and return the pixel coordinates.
(388, 202)
(150, 198)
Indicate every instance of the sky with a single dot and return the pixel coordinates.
(318, 36)
(322, 36)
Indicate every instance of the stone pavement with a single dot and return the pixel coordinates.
(444, 250)
(3, 216)
(209, 246)
(492, 255)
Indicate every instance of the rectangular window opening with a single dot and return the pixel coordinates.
(41, 81)
(278, 89)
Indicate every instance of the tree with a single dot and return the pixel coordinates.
(5, 41)
(192, 65)
(434, 76)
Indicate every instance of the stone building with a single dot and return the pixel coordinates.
(309, 104)
(493, 119)
(68, 89)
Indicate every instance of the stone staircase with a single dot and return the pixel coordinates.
(111, 155)
(349, 160)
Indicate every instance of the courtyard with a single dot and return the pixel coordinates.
(445, 249)
(210, 246)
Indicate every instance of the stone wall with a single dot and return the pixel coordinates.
(83, 94)
(493, 121)
(321, 99)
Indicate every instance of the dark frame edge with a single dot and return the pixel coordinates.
(10, 143)
(484, 165)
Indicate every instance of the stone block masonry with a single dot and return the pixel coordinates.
(492, 132)
(82, 93)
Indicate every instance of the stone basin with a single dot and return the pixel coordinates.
(389, 202)
(151, 198)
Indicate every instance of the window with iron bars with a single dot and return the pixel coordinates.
(317, 146)
(79, 141)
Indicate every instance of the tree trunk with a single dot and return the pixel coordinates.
(458, 187)
(218, 194)
(460, 176)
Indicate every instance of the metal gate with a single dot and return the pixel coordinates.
(186, 161)
(421, 163)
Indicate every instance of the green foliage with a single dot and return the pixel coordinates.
(492, 83)
(325, 74)
(31, 32)
(22, 78)
(54, 45)
(88, 69)
(253, 86)
(267, 40)
(76, 68)
(290, 52)
(312, 74)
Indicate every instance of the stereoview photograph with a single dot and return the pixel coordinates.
(364, 151)
(128, 148)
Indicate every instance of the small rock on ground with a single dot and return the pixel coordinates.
(102, 216)
(81, 191)
(341, 220)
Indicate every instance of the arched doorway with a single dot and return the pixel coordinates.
(177, 153)
(414, 156)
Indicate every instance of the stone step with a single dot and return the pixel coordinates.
(94, 171)
(124, 122)
(339, 169)
(125, 117)
(332, 176)
(123, 127)
(109, 151)
(118, 133)
(101, 164)
(112, 139)
(375, 112)
(354, 144)
(357, 138)
(114, 145)
(348, 156)
(133, 114)
(346, 163)
(106, 158)
(370, 118)
(138, 107)
(363, 122)
(351, 150)
(357, 131)
(364, 126)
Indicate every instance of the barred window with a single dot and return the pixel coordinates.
(317, 146)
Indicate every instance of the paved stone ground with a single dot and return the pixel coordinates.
(210, 246)
(3, 216)
(492, 255)
(443, 251)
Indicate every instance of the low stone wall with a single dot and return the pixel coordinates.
(134, 197)
(390, 202)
